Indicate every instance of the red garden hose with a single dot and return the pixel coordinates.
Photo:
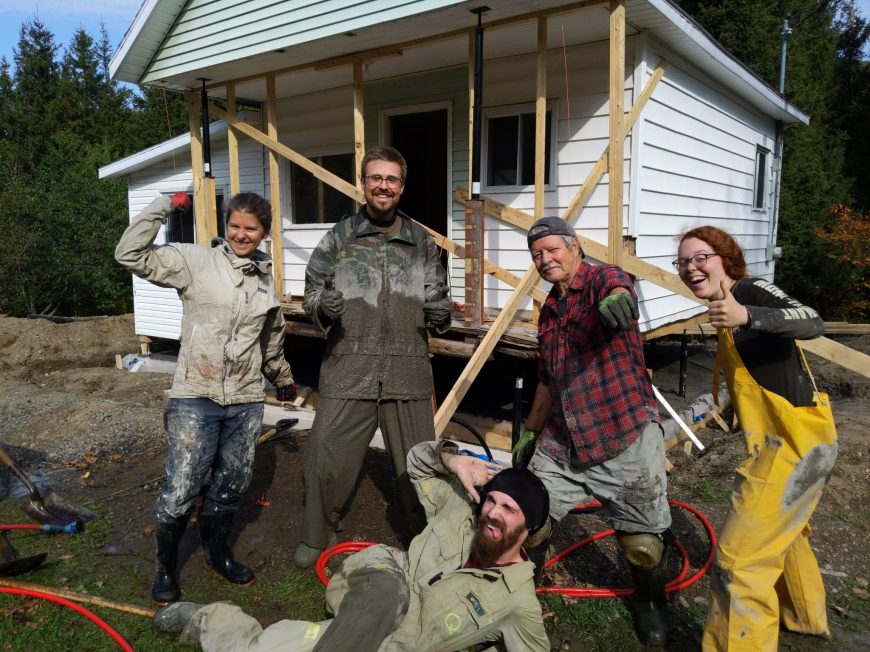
(99, 622)
(676, 584)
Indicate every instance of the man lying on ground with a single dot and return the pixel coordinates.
(464, 580)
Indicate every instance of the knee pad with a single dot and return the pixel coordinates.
(541, 537)
(642, 548)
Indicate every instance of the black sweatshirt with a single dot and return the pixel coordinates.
(767, 345)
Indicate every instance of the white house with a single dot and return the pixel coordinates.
(323, 81)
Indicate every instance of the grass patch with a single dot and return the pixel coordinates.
(850, 606)
(83, 563)
(705, 490)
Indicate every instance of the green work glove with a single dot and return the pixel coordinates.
(524, 449)
(618, 311)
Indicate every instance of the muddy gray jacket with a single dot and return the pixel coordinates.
(451, 607)
(378, 348)
(232, 331)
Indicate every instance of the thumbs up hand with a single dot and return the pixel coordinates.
(331, 303)
(726, 312)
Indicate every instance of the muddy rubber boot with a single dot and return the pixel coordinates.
(214, 530)
(166, 588)
(174, 617)
(648, 605)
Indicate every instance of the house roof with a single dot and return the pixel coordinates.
(136, 59)
(146, 157)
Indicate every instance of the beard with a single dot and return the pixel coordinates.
(485, 550)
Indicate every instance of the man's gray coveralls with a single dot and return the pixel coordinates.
(375, 369)
(448, 607)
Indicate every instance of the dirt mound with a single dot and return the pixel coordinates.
(63, 397)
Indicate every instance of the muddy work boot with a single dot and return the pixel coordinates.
(214, 530)
(174, 617)
(306, 556)
(648, 605)
(166, 588)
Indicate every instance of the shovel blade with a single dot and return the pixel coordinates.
(53, 509)
(18, 566)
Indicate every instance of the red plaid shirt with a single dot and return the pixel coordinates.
(601, 395)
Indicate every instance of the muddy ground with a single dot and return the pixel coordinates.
(92, 431)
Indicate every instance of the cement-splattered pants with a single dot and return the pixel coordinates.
(340, 437)
(203, 436)
(632, 486)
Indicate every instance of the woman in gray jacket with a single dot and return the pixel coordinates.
(232, 334)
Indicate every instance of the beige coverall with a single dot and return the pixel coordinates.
(450, 608)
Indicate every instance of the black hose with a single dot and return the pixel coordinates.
(462, 422)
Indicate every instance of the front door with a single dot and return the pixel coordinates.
(422, 140)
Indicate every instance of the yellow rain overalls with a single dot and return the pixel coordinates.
(764, 571)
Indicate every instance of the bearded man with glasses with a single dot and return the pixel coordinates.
(373, 284)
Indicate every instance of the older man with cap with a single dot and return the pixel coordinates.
(465, 579)
(593, 430)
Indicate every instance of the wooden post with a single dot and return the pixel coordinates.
(359, 134)
(233, 142)
(196, 162)
(209, 195)
(474, 223)
(541, 117)
(275, 188)
(616, 156)
(470, 105)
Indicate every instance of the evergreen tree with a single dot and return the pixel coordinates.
(34, 110)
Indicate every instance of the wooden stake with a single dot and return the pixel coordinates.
(80, 597)
(233, 143)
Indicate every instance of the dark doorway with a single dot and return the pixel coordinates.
(422, 140)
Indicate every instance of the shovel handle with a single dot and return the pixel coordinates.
(18, 473)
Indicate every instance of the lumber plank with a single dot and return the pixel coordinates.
(233, 143)
(275, 187)
(541, 116)
(616, 147)
(835, 352)
(199, 210)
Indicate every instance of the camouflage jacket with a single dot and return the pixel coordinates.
(232, 331)
(379, 347)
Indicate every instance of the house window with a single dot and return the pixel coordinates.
(315, 202)
(511, 149)
(180, 223)
(760, 187)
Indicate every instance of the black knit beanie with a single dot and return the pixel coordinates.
(527, 491)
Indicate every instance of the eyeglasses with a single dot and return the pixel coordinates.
(374, 180)
(698, 260)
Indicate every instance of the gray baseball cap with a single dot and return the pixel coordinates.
(552, 226)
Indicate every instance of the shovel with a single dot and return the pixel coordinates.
(49, 508)
(12, 564)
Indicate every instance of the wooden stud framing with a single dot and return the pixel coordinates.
(275, 188)
(500, 325)
(196, 162)
(233, 143)
(359, 132)
(616, 157)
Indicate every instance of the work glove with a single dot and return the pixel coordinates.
(618, 311)
(285, 393)
(522, 452)
(180, 200)
(331, 303)
(438, 312)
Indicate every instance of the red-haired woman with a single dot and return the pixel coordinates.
(765, 572)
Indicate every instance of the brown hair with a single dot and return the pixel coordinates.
(723, 244)
(390, 154)
(250, 202)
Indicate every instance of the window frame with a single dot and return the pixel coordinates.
(518, 110)
(760, 179)
(316, 157)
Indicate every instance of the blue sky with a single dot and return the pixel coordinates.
(63, 17)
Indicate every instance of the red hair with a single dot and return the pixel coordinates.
(723, 244)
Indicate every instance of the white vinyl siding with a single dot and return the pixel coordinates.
(212, 32)
(697, 167)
